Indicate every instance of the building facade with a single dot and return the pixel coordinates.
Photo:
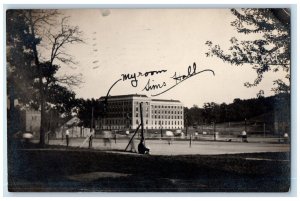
(31, 122)
(123, 112)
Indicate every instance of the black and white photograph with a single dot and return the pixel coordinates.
(149, 100)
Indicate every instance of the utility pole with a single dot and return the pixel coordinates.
(264, 130)
(92, 120)
(190, 139)
(142, 122)
(186, 123)
(214, 125)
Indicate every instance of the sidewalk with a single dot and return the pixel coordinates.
(161, 147)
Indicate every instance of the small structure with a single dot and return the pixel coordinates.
(30, 122)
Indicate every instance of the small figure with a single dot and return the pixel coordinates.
(132, 144)
(143, 149)
(170, 136)
(196, 135)
(106, 139)
(67, 136)
(244, 136)
(90, 141)
(286, 137)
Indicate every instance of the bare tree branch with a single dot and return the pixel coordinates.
(70, 80)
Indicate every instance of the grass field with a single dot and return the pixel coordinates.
(57, 169)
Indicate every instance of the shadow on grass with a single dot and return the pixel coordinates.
(52, 170)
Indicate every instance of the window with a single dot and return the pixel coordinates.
(137, 121)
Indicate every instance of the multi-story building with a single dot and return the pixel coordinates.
(123, 112)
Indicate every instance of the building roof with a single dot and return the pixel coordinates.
(126, 96)
(165, 100)
(139, 95)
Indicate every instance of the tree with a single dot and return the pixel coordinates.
(42, 26)
(61, 99)
(20, 72)
(269, 52)
(85, 109)
(211, 112)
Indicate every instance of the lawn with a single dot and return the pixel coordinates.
(57, 169)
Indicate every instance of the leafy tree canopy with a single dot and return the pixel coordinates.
(269, 52)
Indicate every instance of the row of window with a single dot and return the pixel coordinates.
(146, 109)
(145, 115)
(119, 115)
(137, 103)
(127, 122)
(127, 103)
(166, 117)
(116, 121)
(167, 112)
(161, 123)
(166, 106)
(118, 110)
(146, 127)
(119, 103)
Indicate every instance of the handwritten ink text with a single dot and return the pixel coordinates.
(133, 77)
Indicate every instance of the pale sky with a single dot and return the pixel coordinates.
(139, 40)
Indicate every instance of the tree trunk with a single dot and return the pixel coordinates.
(41, 89)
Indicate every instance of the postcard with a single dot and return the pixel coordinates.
(149, 100)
